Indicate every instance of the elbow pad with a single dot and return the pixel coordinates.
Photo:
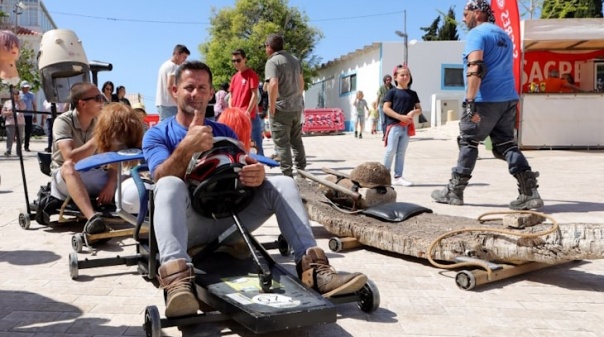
(482, 69)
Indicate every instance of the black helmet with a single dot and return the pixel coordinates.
(213, 180)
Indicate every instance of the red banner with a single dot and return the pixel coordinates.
(508, 18)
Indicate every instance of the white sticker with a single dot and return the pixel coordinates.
(275, 300)
(240, 298)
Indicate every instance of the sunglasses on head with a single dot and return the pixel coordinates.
(236, 60)
(99, 98)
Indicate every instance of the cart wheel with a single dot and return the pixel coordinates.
(77, 242)
(369, 297)
(152, 324)
(465, 280)
(73, 265)
(284, 248)
(24, 220)
(335, 244)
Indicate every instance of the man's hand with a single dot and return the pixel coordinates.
(199, 137)
(469, 110)
(252, 174)
(108, 192)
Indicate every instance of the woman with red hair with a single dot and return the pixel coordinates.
(237, 119)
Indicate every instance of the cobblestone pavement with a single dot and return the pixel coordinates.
(38, 298)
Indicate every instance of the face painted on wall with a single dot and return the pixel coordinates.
(9, 54)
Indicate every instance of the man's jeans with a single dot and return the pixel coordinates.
(166, 111)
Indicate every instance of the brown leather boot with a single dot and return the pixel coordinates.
(176, 277)
(314, 270)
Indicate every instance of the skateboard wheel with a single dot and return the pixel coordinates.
(152, 324)
(77, 242)
(73, 265)
(465, 280)
(284, 248)
(369, 297)
(335, 244)
(24, 220)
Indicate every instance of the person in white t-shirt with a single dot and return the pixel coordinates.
(166, 106)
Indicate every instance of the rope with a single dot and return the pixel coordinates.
(484, 264)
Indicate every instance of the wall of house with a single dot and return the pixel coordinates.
(426, 60)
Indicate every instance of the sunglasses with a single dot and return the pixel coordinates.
(236, 60)
(108, 88)
(99, 98)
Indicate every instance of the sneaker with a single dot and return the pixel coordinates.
(401, 182)
(95, 225)
(356, 134)
(314, 271)
(176, 278)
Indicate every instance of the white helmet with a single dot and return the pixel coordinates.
(130, 197)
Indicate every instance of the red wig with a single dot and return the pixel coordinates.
(239, 121)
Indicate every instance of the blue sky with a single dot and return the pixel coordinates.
(137, 36)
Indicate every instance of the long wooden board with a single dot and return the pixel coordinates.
(414, 236)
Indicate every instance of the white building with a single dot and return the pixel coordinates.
(436, 67)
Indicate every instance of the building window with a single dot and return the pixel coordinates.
(348, 83)
(452, 77)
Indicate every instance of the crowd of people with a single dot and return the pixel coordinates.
(187, 102)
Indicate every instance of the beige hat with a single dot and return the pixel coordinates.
(140, 106)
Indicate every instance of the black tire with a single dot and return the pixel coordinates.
(369, 297)
(152, 324)
(284, 248)
(24, 220)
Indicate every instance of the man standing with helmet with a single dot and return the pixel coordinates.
(168, 149)
(489, 109)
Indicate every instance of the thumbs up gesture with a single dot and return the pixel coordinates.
(199, 137)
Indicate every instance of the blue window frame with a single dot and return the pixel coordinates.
(451, 77)
(348, 83)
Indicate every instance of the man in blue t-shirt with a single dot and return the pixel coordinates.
(168, 148)
(30, 118)
(489, 109)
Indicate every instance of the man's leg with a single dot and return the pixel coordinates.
(504, 146)
(29, 124)
(10, 136)
(279, 195)
(382, 119)
(176, 274)
(281, 128)
(166, 111)
(296, 141)
(257, 126)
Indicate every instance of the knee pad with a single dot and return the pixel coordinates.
(500, 150)
(461, 142)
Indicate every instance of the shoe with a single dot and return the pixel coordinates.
(401, 182)
(528, 196)
(314, 271)
(452, 194)
(356, 134)
(95, 225)
(47, 149)
(176, 278)
(360, 136)
(6, 154)
(27, 149)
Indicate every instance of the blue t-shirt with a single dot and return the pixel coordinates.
(402, 101)
(498, 85)
(28, 98)
(161, 140)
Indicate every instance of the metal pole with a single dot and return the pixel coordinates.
(405, 37)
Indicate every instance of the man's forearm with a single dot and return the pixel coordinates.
(473, 86)
(84, 151)
(176, 165)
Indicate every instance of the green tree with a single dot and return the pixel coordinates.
(431, 31)
(448, 31)
(246, 26)
(562, 9)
